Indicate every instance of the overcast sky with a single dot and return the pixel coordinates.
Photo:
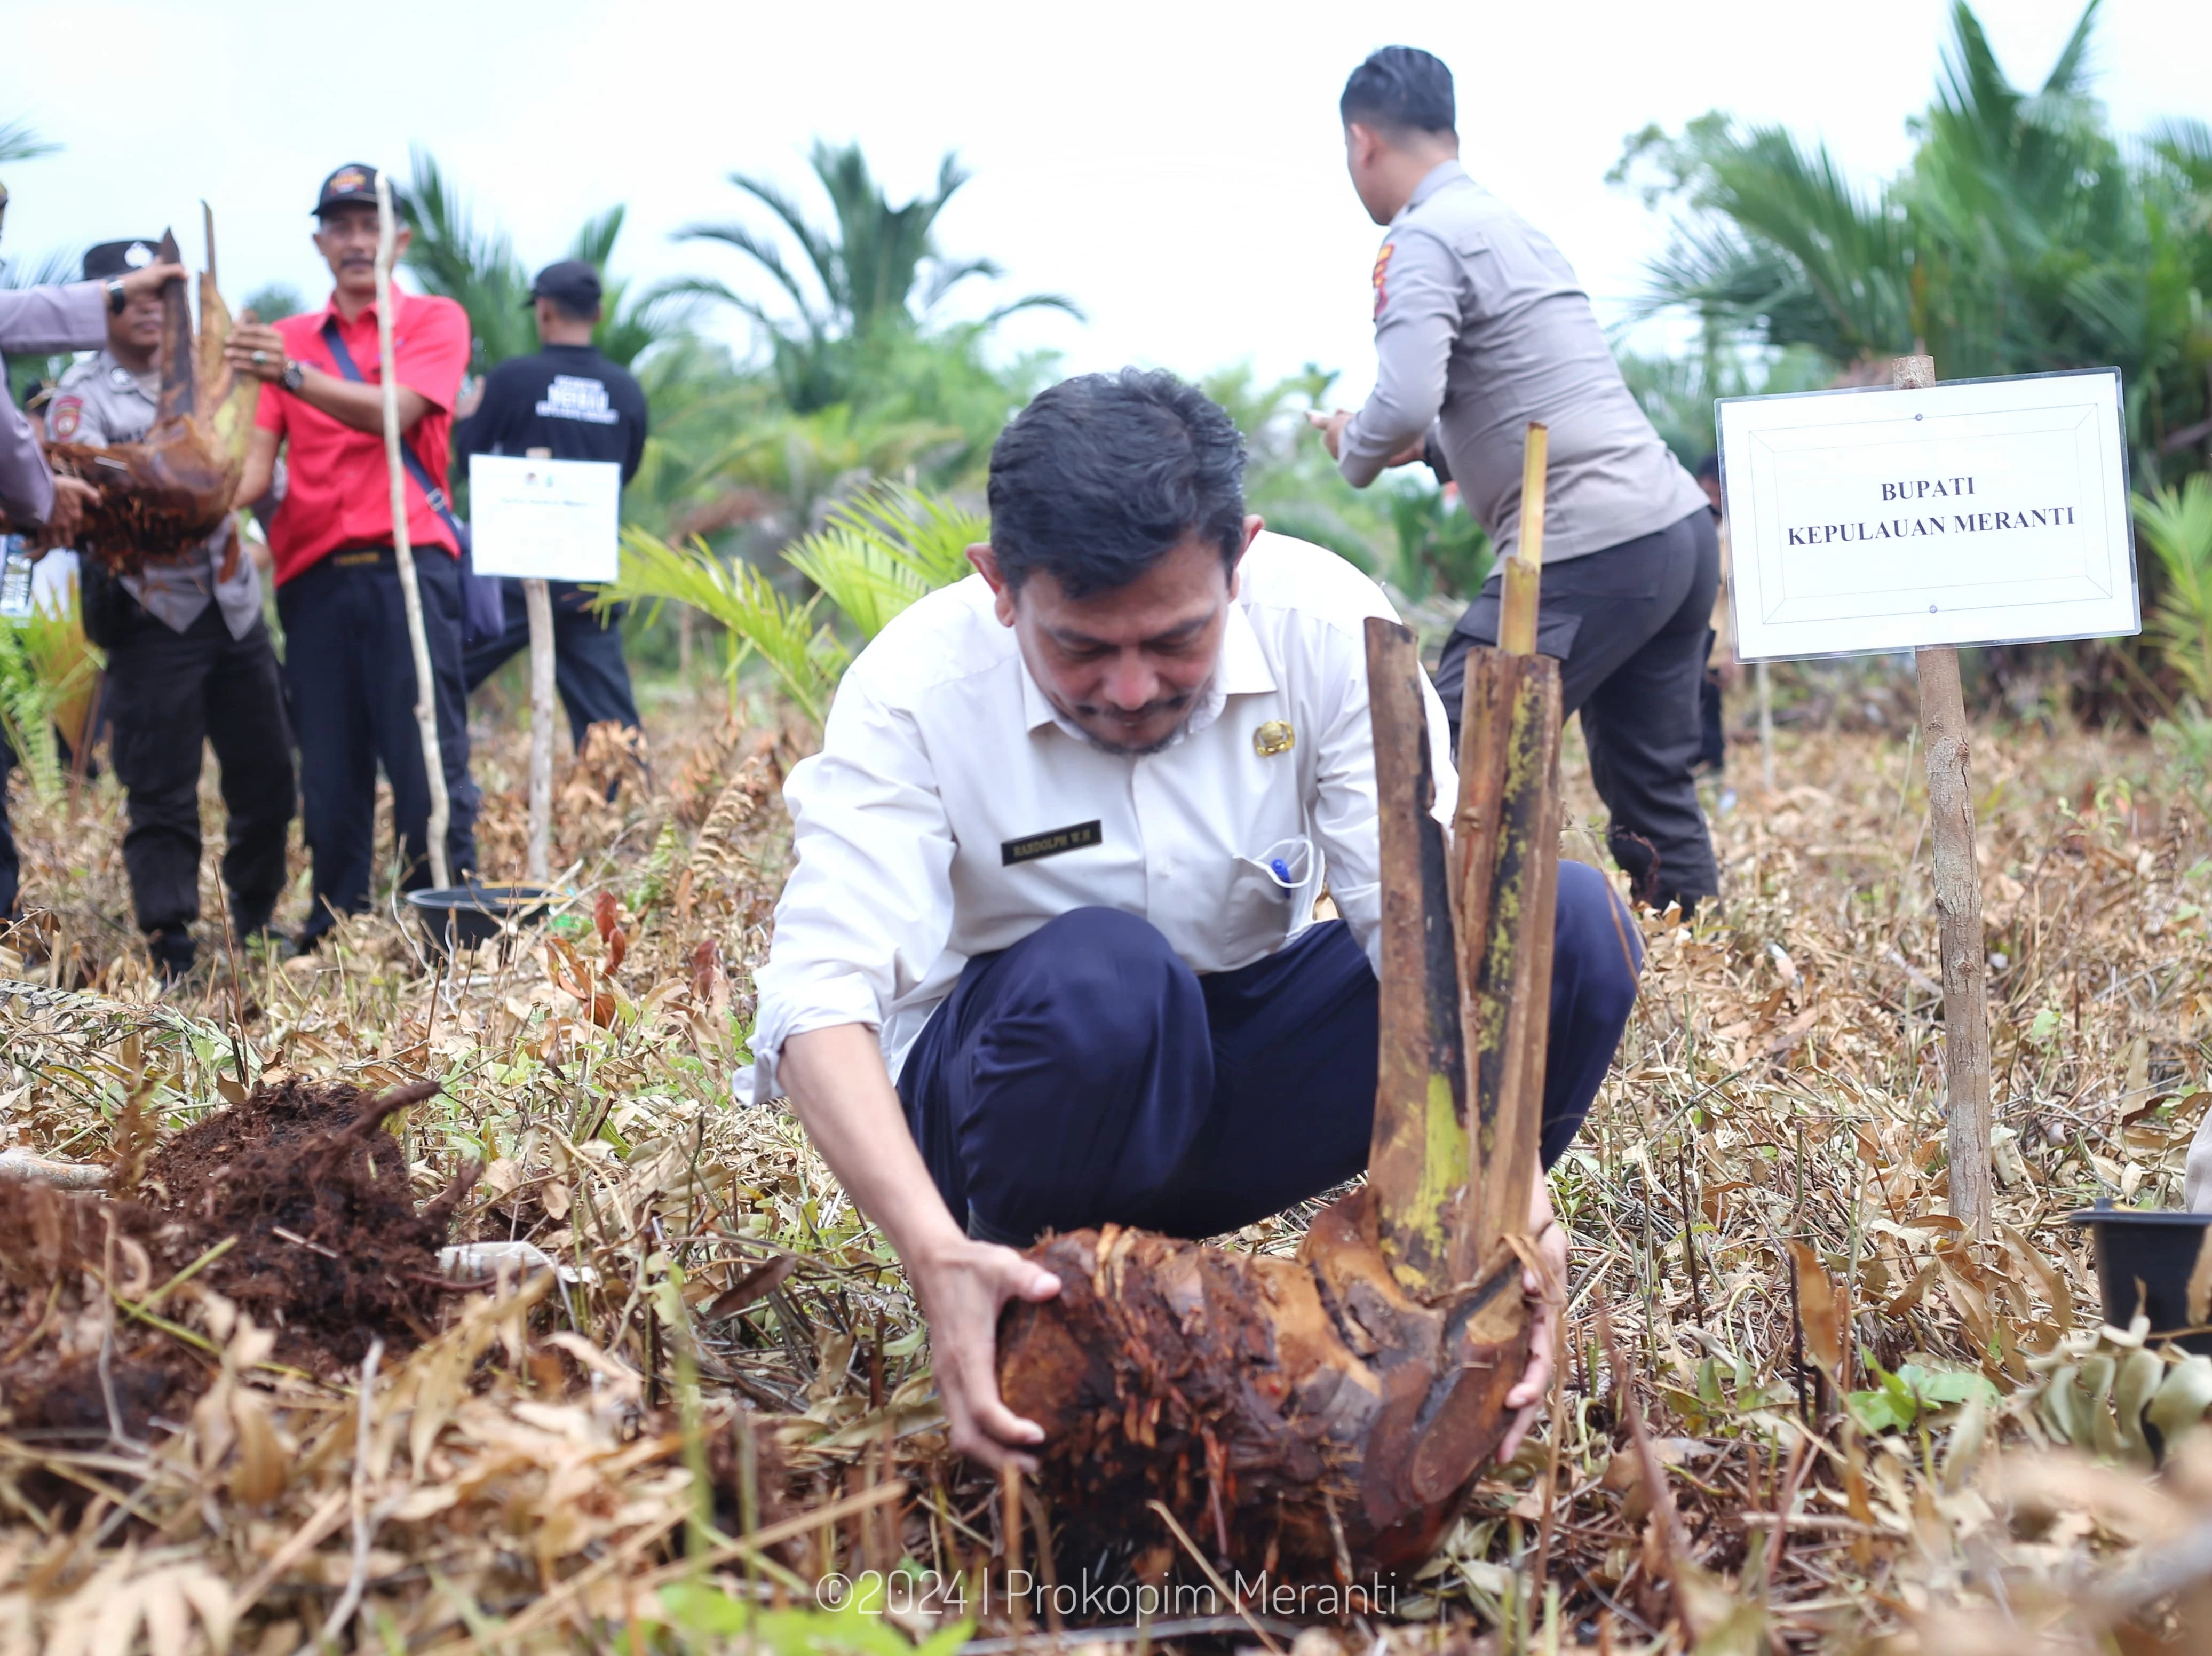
(1176, 169)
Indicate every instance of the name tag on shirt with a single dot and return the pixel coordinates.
(1050, 843)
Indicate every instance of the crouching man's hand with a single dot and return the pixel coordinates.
(1545, 1288)
(836, 1082)
(962, 1286)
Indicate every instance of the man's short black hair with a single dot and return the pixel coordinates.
(1104, 474)
(1709, 467)
(1401, 89)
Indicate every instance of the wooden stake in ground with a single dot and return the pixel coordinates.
(426, 692)
(1418, 1155)
(1505, 842)
(538, 600)
(1957, 904)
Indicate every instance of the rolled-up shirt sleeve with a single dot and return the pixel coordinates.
(1345, 812)
(868, 908)
(1417, 318)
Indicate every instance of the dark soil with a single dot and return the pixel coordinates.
(298, 1156)
(331, 1250)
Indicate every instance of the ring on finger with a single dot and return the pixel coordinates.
(260, 356)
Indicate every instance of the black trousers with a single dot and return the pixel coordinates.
(350, 668)
(588, 668)
(1087, 1075)
(1628, 626)
(168, 696)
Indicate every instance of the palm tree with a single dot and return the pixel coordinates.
(875, 273)
(2024, 237)
(477, 267)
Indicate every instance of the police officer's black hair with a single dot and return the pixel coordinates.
(1102, 475)
(1401, 89)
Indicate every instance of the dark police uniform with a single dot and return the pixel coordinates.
(189, 662)
(571, 404)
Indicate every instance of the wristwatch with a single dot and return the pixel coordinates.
(116, 299)
(293, 375)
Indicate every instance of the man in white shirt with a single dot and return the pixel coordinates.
(1057, 862)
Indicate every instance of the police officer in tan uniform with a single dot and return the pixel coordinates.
(1480, 326)
(189, 662)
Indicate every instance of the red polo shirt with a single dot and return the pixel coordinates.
(338, 490)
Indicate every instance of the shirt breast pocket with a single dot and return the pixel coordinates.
(1269, 896)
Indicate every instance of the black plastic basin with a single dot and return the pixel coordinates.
(470, 916)
(2144, 1263)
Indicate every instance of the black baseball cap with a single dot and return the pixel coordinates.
(571, 282)
(356, 181)
(118, 259)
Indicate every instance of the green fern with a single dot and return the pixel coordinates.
(881, 551)
(876, 554)
(2177, 524)
(805, 657)
(45, 663)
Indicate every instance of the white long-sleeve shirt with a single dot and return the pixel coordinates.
(951, 812)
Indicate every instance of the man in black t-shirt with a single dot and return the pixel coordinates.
(566, 403)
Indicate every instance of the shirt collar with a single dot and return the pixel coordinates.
(368, 311)
(1444, 173)
(1242, 671)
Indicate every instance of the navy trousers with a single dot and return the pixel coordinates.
(588, 668)
(350, 669)
(1087, 1075)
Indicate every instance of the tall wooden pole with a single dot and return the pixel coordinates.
(537, 598)
(1957, 904)
(1416, 1164)
(410, 593)
(1505, 846)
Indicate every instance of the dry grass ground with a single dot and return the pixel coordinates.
(724, 1397)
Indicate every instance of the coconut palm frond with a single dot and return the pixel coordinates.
(880, 551)
(803, 656)
(2177, 525)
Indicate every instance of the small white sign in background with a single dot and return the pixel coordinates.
(1976, 512)
(548, 519)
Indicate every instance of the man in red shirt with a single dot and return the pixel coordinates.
(347, 654)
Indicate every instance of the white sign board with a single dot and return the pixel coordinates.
(1978, 512)
(551, 520)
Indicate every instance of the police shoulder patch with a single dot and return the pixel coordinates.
(1381, 274)
(67, 415)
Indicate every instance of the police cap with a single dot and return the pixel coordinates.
(118, 259)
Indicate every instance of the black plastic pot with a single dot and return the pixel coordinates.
(2145, 1261)
(471, 916)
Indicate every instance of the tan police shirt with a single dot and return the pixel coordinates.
(1479, 328)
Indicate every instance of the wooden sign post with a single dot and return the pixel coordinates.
(1958, 902)
(538, 599)
(540, 519)
(1923, 517)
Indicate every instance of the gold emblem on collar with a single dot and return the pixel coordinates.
(1273, 738)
